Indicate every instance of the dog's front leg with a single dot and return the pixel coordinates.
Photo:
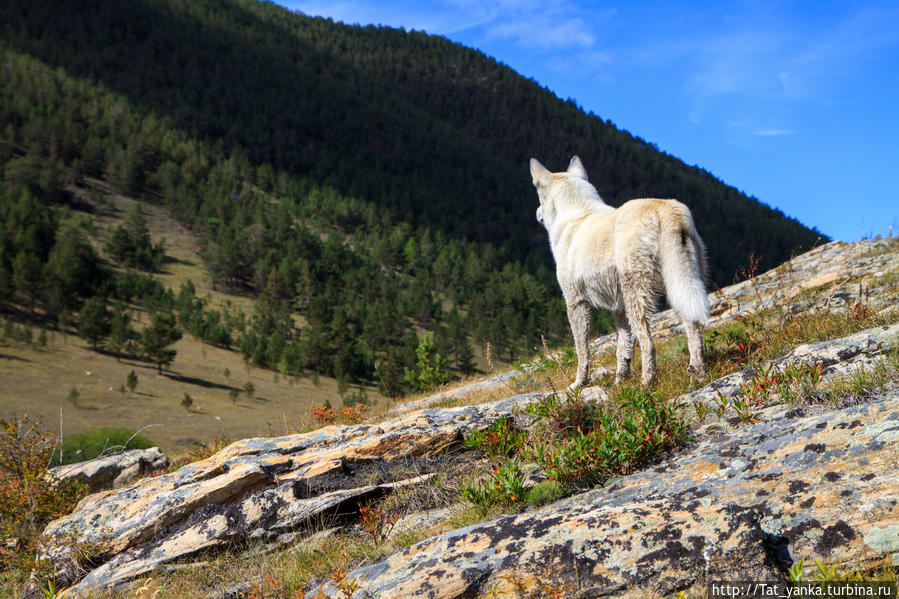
(579, 318)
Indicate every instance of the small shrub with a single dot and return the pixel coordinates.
(206, 450)
(187, 401)
(500, 439)
(27, 500)
(792, 384)
(355, 414)
(566, 413)
(131, 381)
(377, 521)
(274, 588)
(732, 343)
(621, 439)
(323, 414)
(504, 486)
(545, 492)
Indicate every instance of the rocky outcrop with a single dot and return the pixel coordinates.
(254, 489)
(113, 471)
(742, 501)
(837, 358)
(739, 506)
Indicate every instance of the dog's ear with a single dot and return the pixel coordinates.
(576, 168)
(539, 173)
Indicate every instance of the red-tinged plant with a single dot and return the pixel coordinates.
(29, 497)
(323, 414)
(377, 521)
(355, 414)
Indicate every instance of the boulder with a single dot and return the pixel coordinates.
(112, 471)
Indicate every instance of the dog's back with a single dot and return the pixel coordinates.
(658, 249)
(644, 239)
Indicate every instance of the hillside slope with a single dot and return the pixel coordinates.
(797, 417)
(372, 179)
(427, 129)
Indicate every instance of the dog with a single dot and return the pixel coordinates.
(622, 259)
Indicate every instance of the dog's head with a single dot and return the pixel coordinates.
(548, 186)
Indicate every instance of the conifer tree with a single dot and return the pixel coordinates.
(429, 372)
(156, 339)
(121, 333)
(27, 277)
(93, 320)
(131, 381)
(464, 357)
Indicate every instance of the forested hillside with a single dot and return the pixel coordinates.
(370, 181)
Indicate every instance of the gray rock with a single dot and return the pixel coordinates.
(112, 471)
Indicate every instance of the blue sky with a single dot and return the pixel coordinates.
(795, 103)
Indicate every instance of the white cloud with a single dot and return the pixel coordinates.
(544, 32)
(775, 132)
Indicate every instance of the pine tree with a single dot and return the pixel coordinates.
(156, 339)
(131, 381)
(5, 285)
(464, 357)
(64, 322)
(26, 276)
(389, 373)
(93, 320)
(430, 371)
(121, 333)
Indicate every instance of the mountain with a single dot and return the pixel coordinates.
(370, 180)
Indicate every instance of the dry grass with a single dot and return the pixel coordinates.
(38, 381)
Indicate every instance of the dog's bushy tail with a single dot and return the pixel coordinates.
(684, 268)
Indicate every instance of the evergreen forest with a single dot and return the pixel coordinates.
(368, 187)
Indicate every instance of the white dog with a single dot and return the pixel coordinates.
(622, 260)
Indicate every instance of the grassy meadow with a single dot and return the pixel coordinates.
(39, 380)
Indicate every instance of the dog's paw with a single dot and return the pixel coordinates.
(648, 381)
(697, 373)
(576, 385)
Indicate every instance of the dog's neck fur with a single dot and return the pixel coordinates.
(574, 199)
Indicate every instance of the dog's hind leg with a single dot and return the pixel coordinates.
(625, 349)
(579, 318)
(636, 299)
(694, 342)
